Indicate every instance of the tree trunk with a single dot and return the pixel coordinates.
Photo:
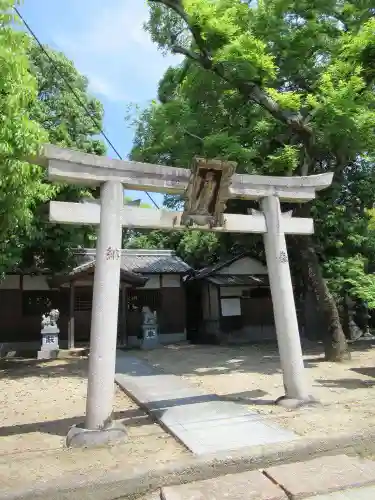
(335, 344)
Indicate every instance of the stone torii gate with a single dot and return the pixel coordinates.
(206, 187)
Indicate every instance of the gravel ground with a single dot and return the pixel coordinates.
(252, 375)
(39, 401)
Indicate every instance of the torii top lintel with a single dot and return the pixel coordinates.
(74, 167)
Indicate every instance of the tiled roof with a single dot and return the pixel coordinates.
(210, 270)
(143, 261)
(211, 273)
(229, 279)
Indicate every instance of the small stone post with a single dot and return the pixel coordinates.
(150, 337)
(50, 335)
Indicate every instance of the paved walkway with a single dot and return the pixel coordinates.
(203, 423)
(346, 478)
(356, 494)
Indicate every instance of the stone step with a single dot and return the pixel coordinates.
(151, 496)
(356, 494)
(323, 475)
(244, 486)
(347, 476)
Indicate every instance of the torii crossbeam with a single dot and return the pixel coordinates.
(207, 194)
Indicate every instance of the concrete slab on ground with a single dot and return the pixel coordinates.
(203, 423)
(356, 494)
(246, 486)
(323, 475)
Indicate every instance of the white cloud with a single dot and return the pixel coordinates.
(102, 86)
(113, 51)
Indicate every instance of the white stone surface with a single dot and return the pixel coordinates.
(134, 217)
(367, 493)
(284, 309)
(103, 335)
(76, 167)
(204, 423)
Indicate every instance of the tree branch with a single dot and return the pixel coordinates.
(250, 90)
(177, 49)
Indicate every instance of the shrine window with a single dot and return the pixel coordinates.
(83, 299)
(141, 298)
(38, 302)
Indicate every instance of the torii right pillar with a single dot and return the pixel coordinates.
(286, 323)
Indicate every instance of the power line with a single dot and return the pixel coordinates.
(79, 100)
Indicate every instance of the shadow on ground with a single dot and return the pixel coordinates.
(199, 359)
(17, 368)
(346, 383)
(136, 417)
(205, 360)
(369, 371)
(131, 418)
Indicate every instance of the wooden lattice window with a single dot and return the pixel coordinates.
(38, 302)
(83, 299)
(140, 298)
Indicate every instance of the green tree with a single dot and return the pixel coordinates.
(282, 87)
(21, 184)
(196, 248)
(72, 119)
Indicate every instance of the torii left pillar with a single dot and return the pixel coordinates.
(99, 428)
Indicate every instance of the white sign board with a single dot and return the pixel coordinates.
(231, 306)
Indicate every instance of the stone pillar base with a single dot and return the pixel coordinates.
(44, 354)
(294, 404)
(78, 437)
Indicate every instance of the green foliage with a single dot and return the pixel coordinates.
(57, 109)
(36, 106)
(348, 275)
(128, 200)
(196, 248)
(282, 87)
(21, 184)
(68, 125)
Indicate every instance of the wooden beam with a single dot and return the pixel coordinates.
(81, 168)
(134, 217)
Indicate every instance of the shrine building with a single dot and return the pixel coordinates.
(228, 303)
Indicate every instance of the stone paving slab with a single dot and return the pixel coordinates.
(356, 494)
(203, 423)
(151, 496)
(323, 475)
(245, 486)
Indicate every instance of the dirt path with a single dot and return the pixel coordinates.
(252, 375)
(39, 401)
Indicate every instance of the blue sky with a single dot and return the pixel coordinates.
(107, 43)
